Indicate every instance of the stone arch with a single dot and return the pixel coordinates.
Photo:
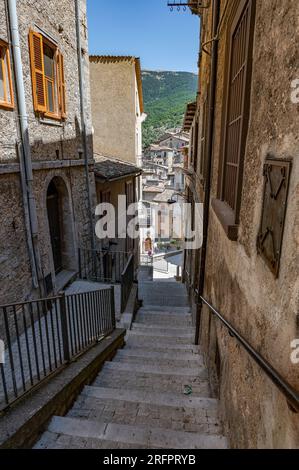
(61, 227)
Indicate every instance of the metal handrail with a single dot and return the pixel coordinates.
(285, 388)
(127, 265)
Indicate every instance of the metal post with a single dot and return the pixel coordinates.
(113, 319)
(64, 327)
(80, 263)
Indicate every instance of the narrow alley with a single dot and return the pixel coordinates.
(154, 394)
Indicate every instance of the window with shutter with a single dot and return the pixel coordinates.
(47, 71)
(6, 90)
(237, 112)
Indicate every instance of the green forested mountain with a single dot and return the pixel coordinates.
(165, 97)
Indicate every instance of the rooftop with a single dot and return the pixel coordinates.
(153, 189)
(110, 169)
(165, 196)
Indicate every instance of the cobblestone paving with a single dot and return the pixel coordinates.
(139, 400)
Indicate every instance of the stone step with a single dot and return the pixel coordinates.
(147, 408)
(199, 371)
(163, 383)
(139, 435)
(174, 330)
(143, 319)
(133, 339)
(161, 286)
(149, 308)
(209, 406)
(138, 337)
(179, 359)
(162, 348)
(165, 301)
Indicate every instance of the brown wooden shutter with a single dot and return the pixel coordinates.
(37, 71)
(61, 85)
(236, 127)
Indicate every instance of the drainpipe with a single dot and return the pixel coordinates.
(24, 149)
(206, 213)
(83, 120)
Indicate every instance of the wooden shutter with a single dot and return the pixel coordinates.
(237, 117)
(61, 85)
(37, 71)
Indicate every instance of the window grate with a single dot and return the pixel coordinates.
(237, 114)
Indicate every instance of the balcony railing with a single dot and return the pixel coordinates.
(41, 336)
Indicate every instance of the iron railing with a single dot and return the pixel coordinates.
(146, 260)
(127, 280)
(41, 336)
(291, 395)
(102, 266)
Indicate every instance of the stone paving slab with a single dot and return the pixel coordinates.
(146, 356)
(162, 347)
(157, 370)
(149, 414)
(140, 435)
(173, 330)
(160, 383)
(195, 404)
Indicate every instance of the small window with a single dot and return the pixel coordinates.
(6, 91)
(48, 82)
(238, 105)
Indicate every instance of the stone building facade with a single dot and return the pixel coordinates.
(45, 216)
(251, 268)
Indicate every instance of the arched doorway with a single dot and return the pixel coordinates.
(61, 226)
(53, 208)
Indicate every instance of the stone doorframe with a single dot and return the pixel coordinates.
(69, 243)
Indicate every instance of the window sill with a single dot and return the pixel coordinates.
(227, 219)
(51, 121)
(6, 106)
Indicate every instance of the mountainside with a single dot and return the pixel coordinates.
(165, 97)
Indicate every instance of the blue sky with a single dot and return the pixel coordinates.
(145, 29)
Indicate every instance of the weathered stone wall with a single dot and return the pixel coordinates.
(56, 150)
(113, 91)
(238, 282)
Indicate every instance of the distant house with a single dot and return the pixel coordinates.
(117, 107)
(115, 178)
(174, 140)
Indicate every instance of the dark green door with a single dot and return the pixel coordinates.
(53, 208)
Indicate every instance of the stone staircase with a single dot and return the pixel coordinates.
(139, 400)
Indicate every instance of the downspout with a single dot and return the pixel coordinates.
(83, 122)
(24, 149)
(206, 211)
